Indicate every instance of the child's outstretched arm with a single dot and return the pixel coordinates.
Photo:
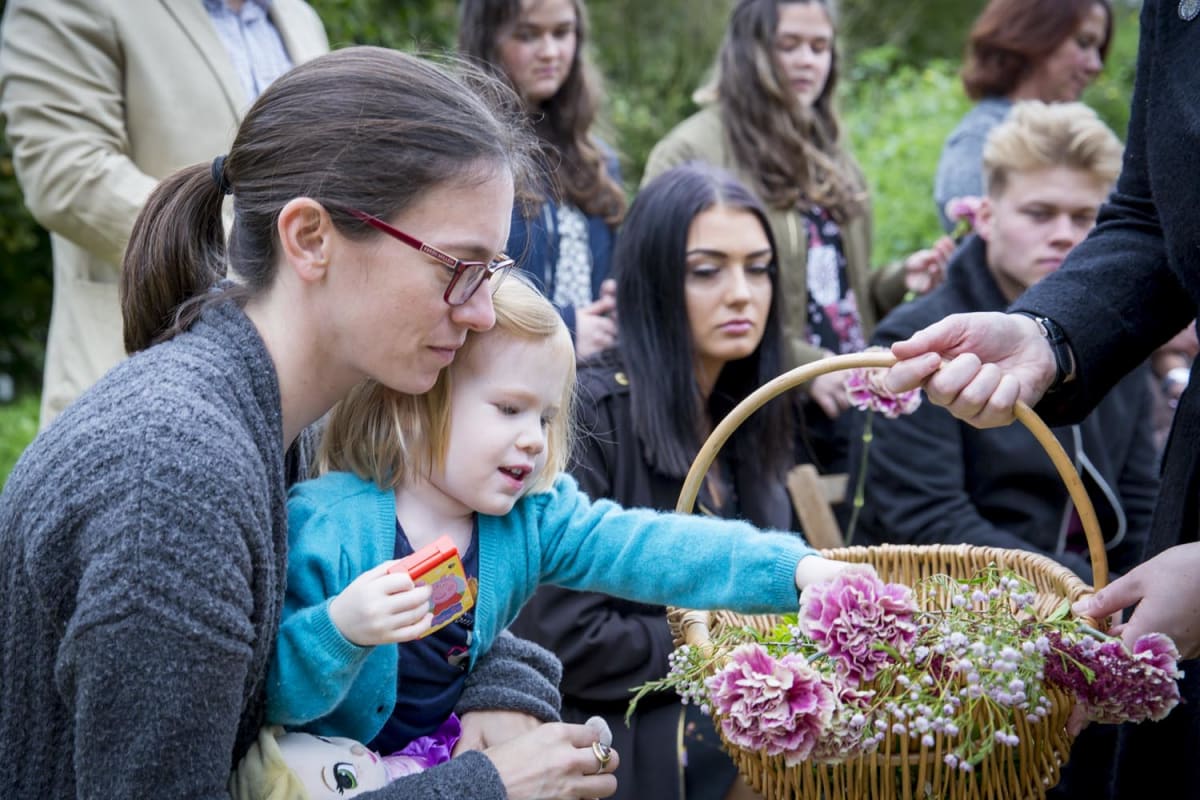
(665, 558)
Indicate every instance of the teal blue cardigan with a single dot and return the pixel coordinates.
(340, 525)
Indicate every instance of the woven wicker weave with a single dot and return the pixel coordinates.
(902, 769)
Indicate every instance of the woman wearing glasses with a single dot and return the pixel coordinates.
(143, 535)
(563, 232)
(700, 330)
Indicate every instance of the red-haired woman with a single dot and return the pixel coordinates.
(1019, 50)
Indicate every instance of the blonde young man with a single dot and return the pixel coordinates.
(932, 478)
(101, 99)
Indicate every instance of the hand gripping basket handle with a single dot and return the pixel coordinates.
(806, 372)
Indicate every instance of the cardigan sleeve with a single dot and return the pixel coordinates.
(576, 625)
(514, 675)
(161, 638)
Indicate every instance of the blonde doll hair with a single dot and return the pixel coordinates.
(262, 774)
(1037, 135)
(387, 437)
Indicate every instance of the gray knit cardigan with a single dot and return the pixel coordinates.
(142, 559)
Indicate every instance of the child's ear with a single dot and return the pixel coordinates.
(305, 233)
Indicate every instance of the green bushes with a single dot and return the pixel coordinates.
(18, 426)
(24, 284)
(896, 118)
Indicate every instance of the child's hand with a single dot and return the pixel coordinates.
(815, 569)
(378, 608)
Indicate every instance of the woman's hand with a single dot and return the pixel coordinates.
(995, 359)
(482, 729)
(382, 608)
(1166, 590)
(829, 392)
(925, 269)
(596, 323)
(557, 760)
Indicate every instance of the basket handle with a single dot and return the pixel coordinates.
(802, 374)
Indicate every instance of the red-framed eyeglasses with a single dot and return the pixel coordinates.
(466, 276)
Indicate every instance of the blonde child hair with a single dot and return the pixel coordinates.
(388, 437)
(1037, 135)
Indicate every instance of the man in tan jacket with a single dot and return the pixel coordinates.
(102, 99)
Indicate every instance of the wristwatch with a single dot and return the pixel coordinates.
(1064, 357)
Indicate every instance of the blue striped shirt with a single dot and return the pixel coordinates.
(254, 45)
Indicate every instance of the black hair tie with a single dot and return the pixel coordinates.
(218, 175)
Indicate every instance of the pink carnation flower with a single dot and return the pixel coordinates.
(846, 735)
(868, 392)
(848, 615)
(963, 209)
(779, 706)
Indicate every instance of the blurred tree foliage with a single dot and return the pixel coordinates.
(900, 97)
(24, 284)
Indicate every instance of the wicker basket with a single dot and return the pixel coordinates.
(902, 769)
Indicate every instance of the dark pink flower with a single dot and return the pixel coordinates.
(1123, 686)
(963, 209)
(848, 615)
(778, 706)
(1157, 650)
(867, 391)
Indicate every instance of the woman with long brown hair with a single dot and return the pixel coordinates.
(563, 234)
(771, 120)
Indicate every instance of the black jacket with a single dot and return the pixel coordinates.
(932, 478)
(1135, 282)
(608, 645)
(1123, 292)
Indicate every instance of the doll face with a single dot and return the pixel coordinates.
(331, 767)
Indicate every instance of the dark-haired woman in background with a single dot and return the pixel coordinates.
(564, 235)
(700, 330)
(1019, 50)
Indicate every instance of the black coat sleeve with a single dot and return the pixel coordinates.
(1116, 296)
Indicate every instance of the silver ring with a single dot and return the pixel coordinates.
(603, 754)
